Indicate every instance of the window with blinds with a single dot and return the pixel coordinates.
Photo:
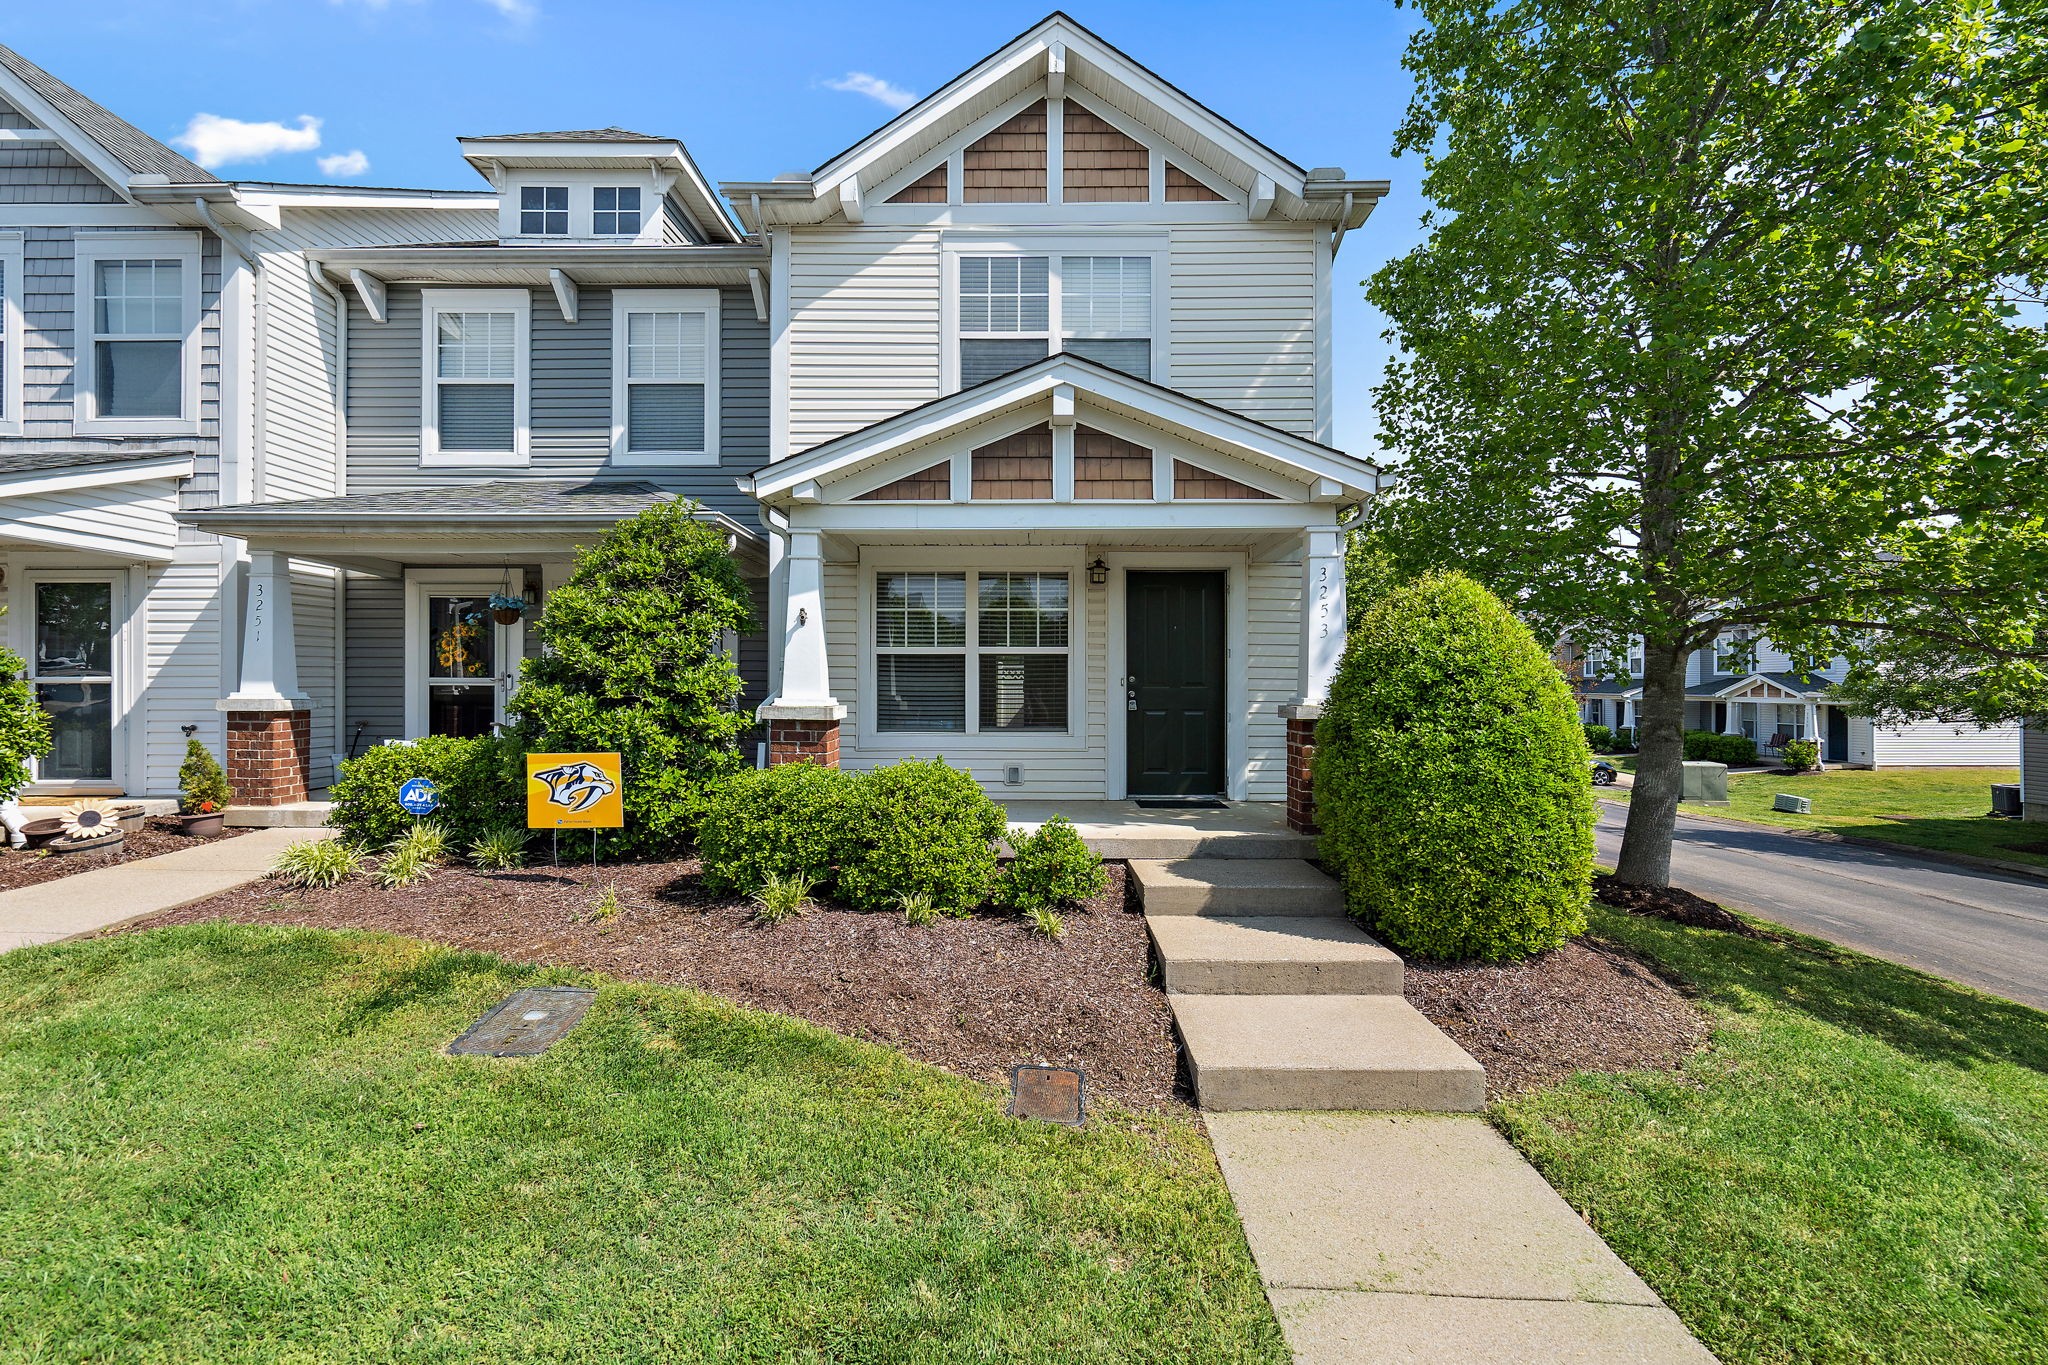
(972, 653)
(1106, 310)
(1005, 314)
(1011, 308)
(138, 312)
(475, 366)
(665, 386)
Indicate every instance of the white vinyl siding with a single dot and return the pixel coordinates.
(1242, 312)
(665, 376)
(476, 345)
(1272, 674)
(182, 670)
(1933, 744)
(864, 319)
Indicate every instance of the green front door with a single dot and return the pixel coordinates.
(1174, 692)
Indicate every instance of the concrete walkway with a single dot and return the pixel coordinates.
(1425, 1239)
(107, 896)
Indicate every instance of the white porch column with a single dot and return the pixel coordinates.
(270, 656)
(1322, 612)
(803, 716)
(1813, 732)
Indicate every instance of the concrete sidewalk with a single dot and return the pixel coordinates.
(1426, 1239)
(107, 896)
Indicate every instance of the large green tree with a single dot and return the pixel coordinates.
(1717, 323)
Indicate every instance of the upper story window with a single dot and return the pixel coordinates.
(544, 210)
(1015, 308)
(138, 303)
(1731, 652)
(475, 403)
(615, 211)
(1635, 658)
(665, 376)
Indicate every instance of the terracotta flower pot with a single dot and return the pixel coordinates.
(204, 825)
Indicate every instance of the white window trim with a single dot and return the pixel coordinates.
(126, 688)
(1052, 246)
(434, 302)
(568, 211)
(641, 213)
(1635, 658)
(423, 583)
(91, 249)
(1067, 560)
(1725, 660)
(15, 336)
(705, 301)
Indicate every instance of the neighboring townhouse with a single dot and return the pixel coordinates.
(1050, 489)
(2034, 770)
(1746, 685)
(123, 317)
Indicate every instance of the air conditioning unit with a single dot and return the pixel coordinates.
(2005, 800)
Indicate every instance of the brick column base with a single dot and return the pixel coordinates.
(270, 756)
(1301, 757)
(803, 741)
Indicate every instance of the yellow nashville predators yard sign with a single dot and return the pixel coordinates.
(574, 791)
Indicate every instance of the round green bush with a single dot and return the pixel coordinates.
(1451, 779)
(785, 821)
(482, 784)
(919, 828)
(1599, 738)
(1052, 867)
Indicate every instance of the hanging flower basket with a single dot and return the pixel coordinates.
(507, 610)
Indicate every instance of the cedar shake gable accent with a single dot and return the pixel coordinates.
(926, 485)
(1182, 188)
(929, 188)
(1192, 481)
(1018, 467)
(1109, 467)
(1100, 164)
(1008, 165)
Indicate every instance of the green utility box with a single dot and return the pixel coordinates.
(1705, 784)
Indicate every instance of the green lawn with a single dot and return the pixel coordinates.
(1947, 808)
(229, 1143)
(1856, 1170)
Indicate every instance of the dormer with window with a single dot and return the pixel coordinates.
(598, 187)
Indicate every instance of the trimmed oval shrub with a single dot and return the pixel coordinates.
(786, 821)
(1452, 781)
(919, 828)
(1599, 738)
(482, 784)
(1052, 867)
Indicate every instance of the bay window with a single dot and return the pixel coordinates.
(1015, 308)
(665, 376)
(137, 320)
(474, 407)
(964, 652)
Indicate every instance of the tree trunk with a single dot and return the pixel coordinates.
(1660, 751)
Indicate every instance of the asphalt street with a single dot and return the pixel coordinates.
(1987, 929)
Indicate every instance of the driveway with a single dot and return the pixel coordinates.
(1982, 928)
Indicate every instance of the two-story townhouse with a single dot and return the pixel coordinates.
(1745, 685)
(478, 384)
(124, 324)
(1050, 489)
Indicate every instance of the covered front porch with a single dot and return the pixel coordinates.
(1772, 709)
(423, 628)
(1076, 585)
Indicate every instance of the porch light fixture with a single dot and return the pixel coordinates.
(1098, 572)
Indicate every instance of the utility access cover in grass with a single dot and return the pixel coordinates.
(525, 1023)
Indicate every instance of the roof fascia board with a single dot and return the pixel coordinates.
(34, 481)
(934, 109)
(73, 138)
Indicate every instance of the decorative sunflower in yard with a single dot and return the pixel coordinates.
(90, 820)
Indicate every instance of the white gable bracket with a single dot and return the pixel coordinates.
(1326, 490)
(1262, 198)
(758, 284)
(1056, 71)
(566, 295)
(370, 290)
(1063, 405)
(849, 199)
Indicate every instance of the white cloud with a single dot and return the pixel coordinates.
(875, 88)
(216, 141)
(518, 11)
(345, 165)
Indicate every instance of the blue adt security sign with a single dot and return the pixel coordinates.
(420, 796)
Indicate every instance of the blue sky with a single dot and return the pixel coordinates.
(749, 86)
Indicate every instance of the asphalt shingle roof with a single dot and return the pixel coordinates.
(35, 461)
(507, 498)
(127, 144)
(573, 135)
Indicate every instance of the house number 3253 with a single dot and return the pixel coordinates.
(1323, 601)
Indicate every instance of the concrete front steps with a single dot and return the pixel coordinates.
(1282, 1002)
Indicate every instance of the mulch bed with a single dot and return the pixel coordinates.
(976, 996)
(1587, 1006)
(1672, 903)
(160, 834)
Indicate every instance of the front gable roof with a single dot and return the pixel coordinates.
(1060, 55)
(1330, 474)
(113, 147)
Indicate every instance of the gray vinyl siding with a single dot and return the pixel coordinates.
(374, 678)
(10, 117)
(44, 173)
(2034, 769)
(675, 229)
(571, 399)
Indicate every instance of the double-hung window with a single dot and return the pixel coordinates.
(665, 376)
(615, 211)
(10, 333)
(961, 652)
(1016, 308)
(475, 401)
(138, 318)
(544, 210)
(1731, 652)
(1635, 658)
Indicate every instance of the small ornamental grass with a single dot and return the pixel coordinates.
(1052, 867)
(608, 905)
(499, 850)
(413, 856)
(317, 863)
(918, 909)
(1047, 922)
(782, 898)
